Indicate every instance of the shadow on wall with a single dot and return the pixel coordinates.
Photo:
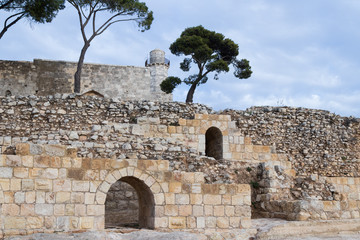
(214, 143)
(129, 203)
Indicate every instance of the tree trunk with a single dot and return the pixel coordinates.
(190, 95)
(77, 76)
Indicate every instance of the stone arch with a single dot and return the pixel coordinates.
(8, 93)
(214, 143)
(149, 192)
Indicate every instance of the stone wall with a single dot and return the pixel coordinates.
(49, 189)
(275, 150)
(44, 77)
(318, 142)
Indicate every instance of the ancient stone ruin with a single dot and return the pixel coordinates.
(73, 162)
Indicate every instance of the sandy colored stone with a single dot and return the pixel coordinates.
(34, 222)
(177, 222)
(212, 199)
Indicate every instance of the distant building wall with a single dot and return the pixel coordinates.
(44, 77)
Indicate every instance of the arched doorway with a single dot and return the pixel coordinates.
(214, 143)
(129, 203)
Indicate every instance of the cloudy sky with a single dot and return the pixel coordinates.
(303, 53)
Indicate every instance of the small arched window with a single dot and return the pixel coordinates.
(8, 93)
(214, 143)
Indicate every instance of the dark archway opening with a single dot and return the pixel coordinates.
(129, 203)
(214, 143)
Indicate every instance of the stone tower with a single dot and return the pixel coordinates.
(158, 65)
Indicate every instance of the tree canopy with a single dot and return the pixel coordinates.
(39, 11)
(120, 11)
(210, 52)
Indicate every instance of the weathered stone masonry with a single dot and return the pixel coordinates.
(285, 185)
(44, 77)
(48, 188)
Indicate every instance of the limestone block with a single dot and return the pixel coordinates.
(237, 200)
(196, 188)
(62, 223)
(27, 210)
(5, 184)
(80, 186)
(95, 210)
(175, 187)
(19, 197)
(94, 186)
(36, 172)
(234, 222)
(15, 184)
(230, 211)
(63, 197)
(155, 188)
(196, 199)
(6, 172)
(118, 164)
(210, 222)
(191, 222)
(80, 210)
(170, 198)
(159, 198)
(177, 222)
(43, 184)
(62, 185)
(165, 187)
(27, 184)
(87, 222)
(69, 209)
(100, 197)
(14, 223)
(150, 181)
(198, 210)
(34, 222)
(55, 150)
(10, 209)
(77, 197)
(212, 199)
(74, 222)
(40, 196)
(59, 209)
(13, 161)
(182, 199)
(161, 222)
(185, 210)
(42, 161)
(30, 197)
(171, 210)
(89, 198)
(104, 187)
(209, 210)
(76, 162)
(27, 161)
(159, 211)
(219, 211)
(200, 222)
(199, 177)
(22, 149)
(44, 209)
(226, 199)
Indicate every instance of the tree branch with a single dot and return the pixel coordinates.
(6, 27)
(120, 20)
